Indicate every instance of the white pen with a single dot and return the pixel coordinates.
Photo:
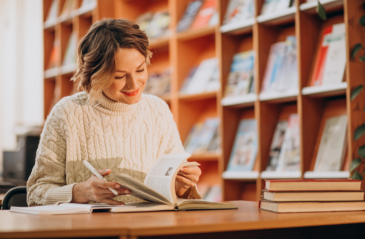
(97, 174)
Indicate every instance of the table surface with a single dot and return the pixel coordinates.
(246, 217)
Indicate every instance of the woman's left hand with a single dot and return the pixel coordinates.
(186, 179)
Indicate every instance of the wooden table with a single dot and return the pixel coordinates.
(246, 222)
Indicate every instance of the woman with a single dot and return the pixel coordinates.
(111, 124)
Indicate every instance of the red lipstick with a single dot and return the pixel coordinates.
(133, 93)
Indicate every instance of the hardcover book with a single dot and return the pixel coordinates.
(289, 158)
(276, 145)
(332, 146)
(315, 185)
(244, 150)
(189, 15)
(331, 58)
(241, 75)
(205, 14)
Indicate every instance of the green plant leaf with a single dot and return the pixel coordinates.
(356, 91)
(362, 20)
(359, 131)
(361, 151)
(362, 58)
(354, 164)
(355, 50)
(357, 176)
(321, 11)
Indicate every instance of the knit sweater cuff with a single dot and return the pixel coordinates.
(60, 195)
(194, 194)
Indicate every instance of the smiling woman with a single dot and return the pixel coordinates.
(111, 124)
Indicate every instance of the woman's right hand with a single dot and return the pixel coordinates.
(95, 189)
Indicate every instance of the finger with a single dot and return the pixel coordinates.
(104, 172)
(191, 177)
(193, 171)
(121, 191)
(186, 182)
(111, 202)
(105, 184)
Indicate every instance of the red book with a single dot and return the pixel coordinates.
(205, 14)
(315, 185)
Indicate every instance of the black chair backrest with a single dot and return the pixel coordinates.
(15, 197)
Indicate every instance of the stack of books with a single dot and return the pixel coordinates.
(313, 195)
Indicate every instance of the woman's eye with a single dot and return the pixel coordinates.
(140, 70)
(119, 77)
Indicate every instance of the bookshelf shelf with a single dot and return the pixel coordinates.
(279, 18)
(68, 69)
(198, 96)
(325, 175)
(246, 176)
(184, 50)
(325, 90)
(280, 175)
(279, 97)
(240, 101)
(196, 33)
(236, 28)
(329, 6)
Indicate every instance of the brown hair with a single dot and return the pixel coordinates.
(96, 51)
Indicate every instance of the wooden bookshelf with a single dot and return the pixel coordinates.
(183, 50)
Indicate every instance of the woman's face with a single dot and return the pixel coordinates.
(130, 77)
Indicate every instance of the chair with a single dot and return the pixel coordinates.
(15, 197)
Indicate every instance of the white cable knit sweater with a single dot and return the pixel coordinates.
(125, 138)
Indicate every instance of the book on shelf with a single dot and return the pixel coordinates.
(203, 137)
(158, 189)
(205, 15)
(201, 77)
(214, 194)
(189, 15)
(332, 147)
(87, 5)
(158, 83)
(239, 11)
(274, 6)
(70, 55)
(244, 151)
(282, 207)
(144, 20)
(330, 63)
(155, 25)
(315, 185)
(241, 75)
(187, 80)
(52, 14)
(276, 145)
(312, 196)
(67, 8)
(281, 73)
(289, 158)
(52, 62)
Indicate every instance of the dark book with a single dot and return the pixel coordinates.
(189, 15)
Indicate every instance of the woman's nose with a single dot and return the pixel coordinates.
(131, 82)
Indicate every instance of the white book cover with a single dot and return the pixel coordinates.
(239, 10)
(70, 55)
(332, 148)
(276, 145)
(202, 76)
(269, 6)
(289, 159)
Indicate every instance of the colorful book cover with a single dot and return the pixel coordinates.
(241, 75)
(332, 146)
(144, 20)
(193, 138)
(159, 25)
(244, 150)
(206, 135)
(239, 10)
(276, 144)
(202, 76)
(331, 59)
(189, 15)
(289, 159)
(206, 12)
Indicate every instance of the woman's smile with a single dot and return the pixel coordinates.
(132, 93)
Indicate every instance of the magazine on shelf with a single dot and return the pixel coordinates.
(187, 80)
(331, 58)
(201, 77)
(144, 20)
(189, 15)
(159, 25)
(70, 55)
(332, 147)
(205, 14)
(239, 10)
(245, 145)
(158, 83)
(289, 159)
(157, 191)
(281, 73)
(52, 14)
(241, 75)
(213, 84)
(273, 6)
(276, 145)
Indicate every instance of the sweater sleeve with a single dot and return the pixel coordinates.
(47, 183)
(175, 146)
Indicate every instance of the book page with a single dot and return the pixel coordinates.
(161, 176)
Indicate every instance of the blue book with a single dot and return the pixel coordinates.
(244, 150)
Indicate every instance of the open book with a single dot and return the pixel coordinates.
(157, 191)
